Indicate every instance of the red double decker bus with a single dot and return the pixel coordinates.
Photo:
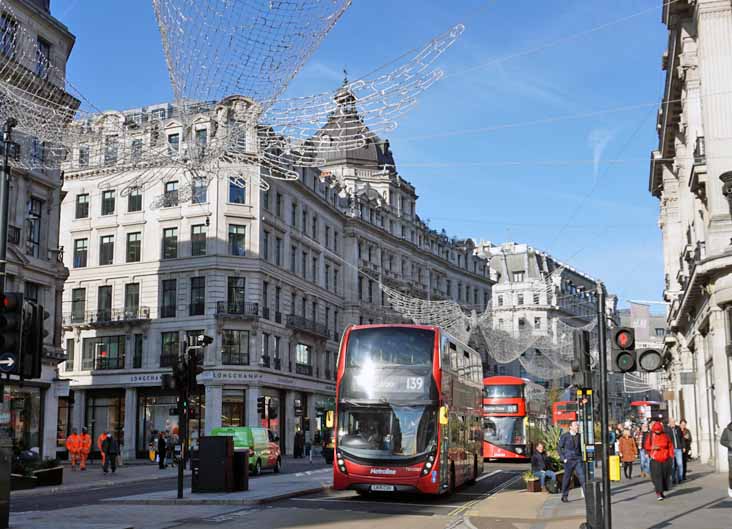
(509, 424)
(408, 411)
(564, 413)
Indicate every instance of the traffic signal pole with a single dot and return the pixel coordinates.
(604, 411)
(6, 445)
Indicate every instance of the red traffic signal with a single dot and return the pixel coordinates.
(624, 338)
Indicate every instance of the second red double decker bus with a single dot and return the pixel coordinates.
(508, 421)
(408, 411)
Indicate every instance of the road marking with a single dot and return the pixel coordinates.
(469, 505)
(311, 472)
(485, 476)
(366, 502)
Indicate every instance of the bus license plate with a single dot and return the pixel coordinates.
(382, 488)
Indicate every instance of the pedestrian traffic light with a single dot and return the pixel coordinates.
(262, 407)
(582, 361)
(11, 332)
(623, 347)
(31, 351)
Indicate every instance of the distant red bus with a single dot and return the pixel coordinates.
(564, 413)
(408, 415)
(508, 422)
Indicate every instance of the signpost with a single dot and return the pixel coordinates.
(7, 362)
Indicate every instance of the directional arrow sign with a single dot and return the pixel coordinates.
(7, 363)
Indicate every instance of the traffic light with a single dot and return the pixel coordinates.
(31, 350)
(11, 332)
(650, 360)
(194, 365)
(262, 407)
(623, 347)
(167, 381)
(582, 362)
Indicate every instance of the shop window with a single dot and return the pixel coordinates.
(105, 412)
(233, 408)
(63, 428)
(23, 408)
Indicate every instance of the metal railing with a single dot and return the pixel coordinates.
(107, 316)
(304, 369)
(102, 363)
(301, 323)
(238, 309)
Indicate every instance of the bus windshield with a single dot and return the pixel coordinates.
(504, 430)
(387, 432)
(503, 391)
(390, 346)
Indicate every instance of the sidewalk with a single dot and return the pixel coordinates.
(137, 471)
(264, 489)
(701, 502)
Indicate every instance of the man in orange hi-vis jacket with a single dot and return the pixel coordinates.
(85, 444)
(100, 440)
(73, 445)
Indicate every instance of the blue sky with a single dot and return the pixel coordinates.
(575, 187)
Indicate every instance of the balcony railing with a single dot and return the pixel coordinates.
(244, 310)
(304, 369)
(107, 316)
(300, 323)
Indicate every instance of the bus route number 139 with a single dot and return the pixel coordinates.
(415, 383)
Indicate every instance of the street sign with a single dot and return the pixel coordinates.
(7, 362)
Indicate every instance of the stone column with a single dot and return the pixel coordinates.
(289, 419)
(721, 384)
(128, 450)
(50, 422)
(79, 410)
(214, 395)
(703, 428)
(252, 417)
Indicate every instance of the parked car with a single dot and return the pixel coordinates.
(263, 445)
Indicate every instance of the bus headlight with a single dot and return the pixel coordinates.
(341, 463)
(428, 464)
(519, 450)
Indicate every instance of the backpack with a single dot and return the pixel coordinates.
(551, 486)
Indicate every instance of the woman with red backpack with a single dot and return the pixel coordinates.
(661, 450)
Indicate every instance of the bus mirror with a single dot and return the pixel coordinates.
(329, 419)
(443, 415)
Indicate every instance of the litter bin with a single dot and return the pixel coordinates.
(241, 469)
(214, 470)
(195, 470)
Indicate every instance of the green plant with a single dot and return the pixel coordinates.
(529, 476)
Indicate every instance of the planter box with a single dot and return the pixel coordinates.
(533, 485)
(49, 477)
(21, 482)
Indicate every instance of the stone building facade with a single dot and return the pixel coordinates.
(690, 175)
(35, 267)
(273, 276)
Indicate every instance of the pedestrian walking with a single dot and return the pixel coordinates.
(100, 441)
(541, 468)
(661, 449)
(299, 443)
(73, 445)
(686, 442)
(726, 440)
(628, 453)
(674, 433)
(570, 452)
(161, 451)
(110, 449)
(85, 442)
(645, 457)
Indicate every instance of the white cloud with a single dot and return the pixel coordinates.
(598, 140)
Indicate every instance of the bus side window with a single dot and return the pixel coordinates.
(453, 356)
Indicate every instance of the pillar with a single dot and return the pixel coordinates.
(129, 451)
(290, 421)
(252, 417)
(50, 422)
(79, 410)
(721, 385)
(214, 395)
